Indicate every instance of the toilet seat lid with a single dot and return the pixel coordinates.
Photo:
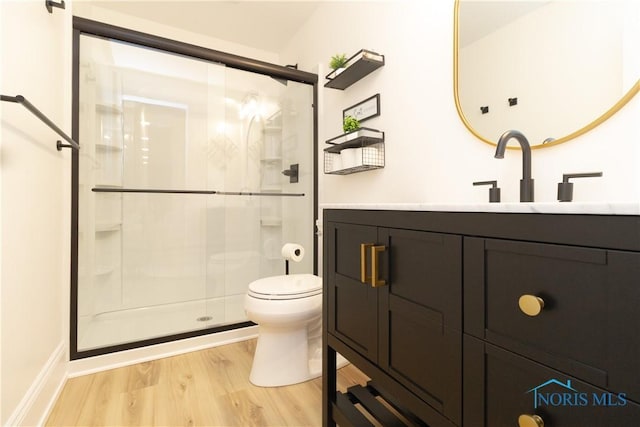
(291, 286)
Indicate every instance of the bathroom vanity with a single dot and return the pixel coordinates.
(468, 318)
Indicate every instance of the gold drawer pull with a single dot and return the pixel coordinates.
(363, 262)
(526, 420)
(531, 305)
(375, 281)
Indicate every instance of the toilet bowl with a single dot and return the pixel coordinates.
(288, 310)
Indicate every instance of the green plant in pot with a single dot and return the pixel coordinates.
(338, 62)
(350, 124)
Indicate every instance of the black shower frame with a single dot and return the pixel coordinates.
(119, 34)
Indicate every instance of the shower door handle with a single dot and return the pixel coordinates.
(292, 173)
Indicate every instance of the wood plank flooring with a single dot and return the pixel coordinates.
(204, 388)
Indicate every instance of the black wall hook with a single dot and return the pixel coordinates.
(50, 4)
(513, 101)
(484, 110)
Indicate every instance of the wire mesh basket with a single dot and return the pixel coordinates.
(353, 159)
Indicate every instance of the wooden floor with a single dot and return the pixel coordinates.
(205, 388)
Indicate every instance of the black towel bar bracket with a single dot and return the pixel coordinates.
(50, 4)
(19, 99)
(60, 145)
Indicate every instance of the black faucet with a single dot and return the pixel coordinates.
(526, 183)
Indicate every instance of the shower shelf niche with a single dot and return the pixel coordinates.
(108, 227)
(105, 141)
(272, 159)
(108, 147)
(103, 270)
(271, 222)
(108, 109)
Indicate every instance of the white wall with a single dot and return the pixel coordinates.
(430, 155)
(35, 194)
(89, 11)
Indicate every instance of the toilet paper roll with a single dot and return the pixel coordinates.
(292, 252)
(349, 158)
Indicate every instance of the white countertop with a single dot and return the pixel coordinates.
(594, 208)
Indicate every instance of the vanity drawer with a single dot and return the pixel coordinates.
(500, 386)
(590, 301)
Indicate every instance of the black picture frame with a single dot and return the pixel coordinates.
(364, 110)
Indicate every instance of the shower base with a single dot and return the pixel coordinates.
(137, 324)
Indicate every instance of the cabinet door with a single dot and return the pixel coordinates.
(586, 326)
(420, 316)
(500, 386)
(352, 305)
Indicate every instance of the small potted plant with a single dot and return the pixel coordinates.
(338, 62)
(349, 125)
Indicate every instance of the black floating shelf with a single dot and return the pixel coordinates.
(359, 65)
(363, 137)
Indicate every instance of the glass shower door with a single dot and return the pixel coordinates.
(183, 197)
(144, 131)
(268, 128)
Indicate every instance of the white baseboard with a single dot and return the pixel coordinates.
(104, 362)
(39, 399)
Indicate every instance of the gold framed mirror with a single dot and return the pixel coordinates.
(551, 69)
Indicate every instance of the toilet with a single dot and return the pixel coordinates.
(288, 310)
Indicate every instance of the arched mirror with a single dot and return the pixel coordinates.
(550, 69)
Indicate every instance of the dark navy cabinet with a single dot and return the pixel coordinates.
(407, 323)
(469, 313)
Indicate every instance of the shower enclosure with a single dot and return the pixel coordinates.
(195, 168)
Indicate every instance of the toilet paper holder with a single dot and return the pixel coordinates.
(286, 267)
(291, 252)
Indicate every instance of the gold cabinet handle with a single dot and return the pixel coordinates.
(375, 251)
(364, 278)
(531, 305)
(526, 420)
